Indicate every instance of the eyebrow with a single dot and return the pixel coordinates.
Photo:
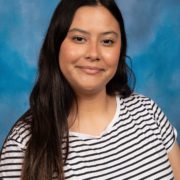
(86, 32)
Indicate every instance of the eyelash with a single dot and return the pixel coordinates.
(81, 40)
(107, 42)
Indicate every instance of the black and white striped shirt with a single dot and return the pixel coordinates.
(133, 146)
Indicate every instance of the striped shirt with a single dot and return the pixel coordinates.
(135, 146)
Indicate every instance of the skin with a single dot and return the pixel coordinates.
(174, 158)
(89, 54)
(88, 59)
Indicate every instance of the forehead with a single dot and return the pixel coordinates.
(94, 17)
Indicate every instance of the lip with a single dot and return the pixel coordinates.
(90, 69)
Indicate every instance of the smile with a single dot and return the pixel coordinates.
(90, 70)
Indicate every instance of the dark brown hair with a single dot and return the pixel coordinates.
(52, 97)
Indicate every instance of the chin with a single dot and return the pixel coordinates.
(90, 90)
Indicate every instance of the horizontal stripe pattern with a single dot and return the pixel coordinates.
(12, 153)
(133, 146)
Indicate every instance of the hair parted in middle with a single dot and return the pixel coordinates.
(52, 97)
(60, 25)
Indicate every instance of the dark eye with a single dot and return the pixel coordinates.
(79, 39)
(108, 42)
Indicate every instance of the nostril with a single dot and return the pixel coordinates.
(93, 54)
(93, 58)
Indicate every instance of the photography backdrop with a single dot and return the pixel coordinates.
(153, 31)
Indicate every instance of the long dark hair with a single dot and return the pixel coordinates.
(52, 97)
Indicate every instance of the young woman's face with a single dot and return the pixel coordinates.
(90, 53)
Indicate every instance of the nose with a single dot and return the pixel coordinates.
(93, 52)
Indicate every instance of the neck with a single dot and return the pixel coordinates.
(91, 109)
(92, 103)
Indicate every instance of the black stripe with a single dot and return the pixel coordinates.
(122, 162)
(107, 173)
(119, 145)
(118, 129)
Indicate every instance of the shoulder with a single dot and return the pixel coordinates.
(20, 133)
(14, 147)
(142, 109)
(137, 96)
(143, 104)
(137, 99)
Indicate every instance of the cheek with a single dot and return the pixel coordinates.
(113, 57)
(70, 52)
(66, 53)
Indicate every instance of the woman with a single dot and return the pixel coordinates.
(84, 120)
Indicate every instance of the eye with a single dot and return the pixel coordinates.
(108, 42)
(79, 39)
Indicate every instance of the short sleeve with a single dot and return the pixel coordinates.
(167, 132)
(13, 151)
(11, 159)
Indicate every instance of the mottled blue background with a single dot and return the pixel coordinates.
(153, 30)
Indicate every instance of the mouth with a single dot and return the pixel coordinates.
(91, 70)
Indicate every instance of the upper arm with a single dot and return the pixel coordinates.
(11, 159)
(174, 158)
(168, 135)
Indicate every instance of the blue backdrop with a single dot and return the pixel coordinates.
(153, 30)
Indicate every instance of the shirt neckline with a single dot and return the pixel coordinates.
(107, 129)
